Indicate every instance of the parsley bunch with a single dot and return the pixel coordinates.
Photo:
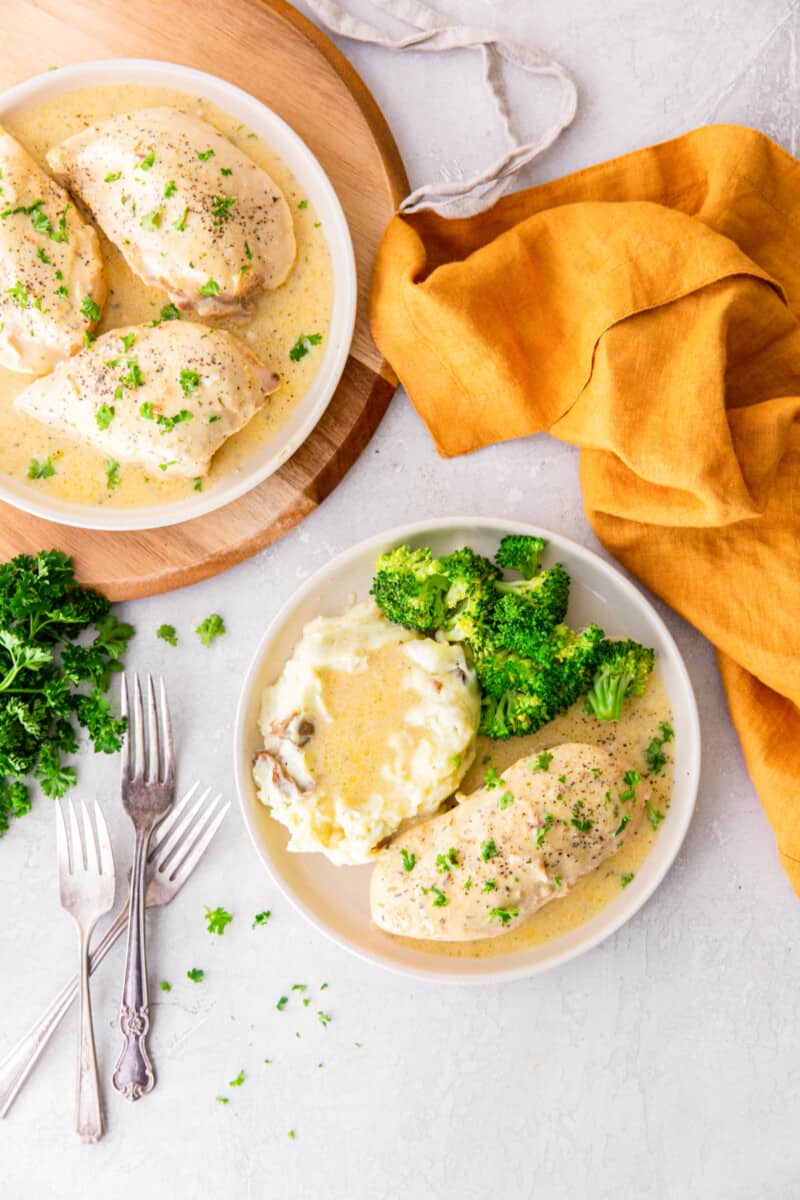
(43, 610)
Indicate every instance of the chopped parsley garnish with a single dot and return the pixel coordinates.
(167, 633)
(582, 824)
(503, 915)
(324, 1019)
(225, 171)
(127, 340)
(41, 254)
(223, 1100)
(165, 987)
(217, 919)
(88, 338)
(261, 918)
(489, 886)
(292, 1135)
(104, 415)
(238, 1081)
(440, 900)
(113, 177)
(631, 779)
(562, 779)
(19, 294)
(196, 975)
(178, 418)
(213, 420)
(133, 377)
(205, 155)
(248, 253)
(169, 312)
(144, 164)
(180, 224)
(544, 829)
(303, 345)
(666, 731)
(654, 754)
(170, 188)
(281, 1005)
(166, 465)
(197, 484)
(221, 208)
(112, 474)
(543, 761)
(653, 815)
(212, 627)
(409, 860)
(189, 381)
(557, 881)
(468, 885)
(455, 759)
(489, 850)
(446, 862)
(147, 411)
(89, 309)
(40, 470)
(151, 220)
(505, 801)
(62, 291)
(491, 779)
(627, 878)
(622, 825)
(303, 204)
(209, 288)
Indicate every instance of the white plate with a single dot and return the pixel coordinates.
(336, 899)
(315, 183)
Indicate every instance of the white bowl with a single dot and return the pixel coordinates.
(304, 166)
(336, 899)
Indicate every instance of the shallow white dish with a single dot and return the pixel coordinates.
(304, 166)
(336, 899)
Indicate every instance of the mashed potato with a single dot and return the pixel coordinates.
(368, 726)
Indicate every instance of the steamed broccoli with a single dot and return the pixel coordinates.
(623, 670)
(518, 552)
(410, 589)
(512, 714)
(531, 607)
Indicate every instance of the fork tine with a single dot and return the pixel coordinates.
(89, 844)
(173, 842)
(125, 761)
(166, 736)
(198, 848)
(77, 849)
(103, 841)
(138, 730)
(62, 842)
(153, 756)
(163, 827)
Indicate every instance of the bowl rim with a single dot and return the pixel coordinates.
(162, 73)
(615, 915)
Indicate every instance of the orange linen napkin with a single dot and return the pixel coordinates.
(646, 310)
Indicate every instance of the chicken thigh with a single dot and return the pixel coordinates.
(165, 395)
(52, 287)
(190, 212)
(489, 863)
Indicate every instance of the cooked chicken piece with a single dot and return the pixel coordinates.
(189, 211)
(52, 286)
(489, 863)
(166, 396)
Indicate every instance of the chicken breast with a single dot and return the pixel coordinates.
(190, 212)
(52, 286)
(165, 395)
(504, 851)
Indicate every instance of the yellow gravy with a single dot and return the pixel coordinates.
(630, 736)
(302, 305)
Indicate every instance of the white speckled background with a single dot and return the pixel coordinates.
(663, 1064)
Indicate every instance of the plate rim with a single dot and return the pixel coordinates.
(344, 310)
(635, 898)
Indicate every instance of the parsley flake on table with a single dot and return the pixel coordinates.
(217, 920)
(281, 1005)
(324, 1019)
(223, 1100)
(212, 627)
(165, 986)
(303, 345)
(167, 633)
(261, 918)
(196, 975)
(238, 1081)
(40, 470)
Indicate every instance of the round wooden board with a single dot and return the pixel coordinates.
(272, 51)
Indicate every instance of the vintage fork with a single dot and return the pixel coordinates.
(86, 890)
(148, 789)
(178, 844)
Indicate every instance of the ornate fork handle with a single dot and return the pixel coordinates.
(133, 1074)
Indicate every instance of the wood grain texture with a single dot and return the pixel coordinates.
(273, 52)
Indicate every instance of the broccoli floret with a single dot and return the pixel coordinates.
(512, 714)
(410, 589)
(531, 607)
(518, 552)
(470, 599)
(623, 670)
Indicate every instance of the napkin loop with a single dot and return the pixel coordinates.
(464, 198)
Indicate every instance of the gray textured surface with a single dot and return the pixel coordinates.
(663, 1064)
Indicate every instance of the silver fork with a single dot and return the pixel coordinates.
(86, 890)
(148, 790)
(178, 844)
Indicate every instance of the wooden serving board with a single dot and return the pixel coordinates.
(273, 52)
